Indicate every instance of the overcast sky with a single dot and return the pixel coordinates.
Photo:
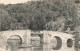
(13, 1)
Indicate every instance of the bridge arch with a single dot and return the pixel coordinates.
(56, 43)
(14, 40)
(69, 43)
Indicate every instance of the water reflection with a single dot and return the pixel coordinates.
(45, 47)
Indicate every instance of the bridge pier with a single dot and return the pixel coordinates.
(27, 37)
(46, 38)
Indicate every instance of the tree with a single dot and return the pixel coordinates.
(40, 15)
(4, 19)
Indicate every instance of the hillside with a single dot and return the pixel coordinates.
(40, 15)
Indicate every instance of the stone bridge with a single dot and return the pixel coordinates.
(59, 41)
(24, 36)
(56, 40)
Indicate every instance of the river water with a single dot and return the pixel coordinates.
(46, 47)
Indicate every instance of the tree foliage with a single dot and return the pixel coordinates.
(39, 15)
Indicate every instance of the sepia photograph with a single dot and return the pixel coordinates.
(39, 25)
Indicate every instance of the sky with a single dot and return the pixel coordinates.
(13, 1)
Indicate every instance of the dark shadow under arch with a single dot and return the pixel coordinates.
(69, 43)
(59, 43)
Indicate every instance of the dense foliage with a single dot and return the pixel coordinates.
(40, 15)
